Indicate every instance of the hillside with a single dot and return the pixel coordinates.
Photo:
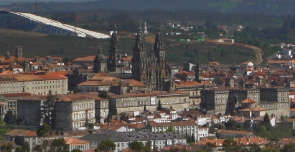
(39, 44)
(276, 7)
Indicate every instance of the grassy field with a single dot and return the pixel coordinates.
(39, 44)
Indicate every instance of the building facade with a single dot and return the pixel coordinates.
(226, 100)
(74, 112)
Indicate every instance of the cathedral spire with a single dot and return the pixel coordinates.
(100, 50)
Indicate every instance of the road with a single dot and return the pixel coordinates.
(258, 52)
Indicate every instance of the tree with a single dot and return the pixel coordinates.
(147, 147)
(174, 149)
(159, 106)
(136, 146)
(103, 94)
(231, 146)
(6, 148)
(266, 118)
(76, 150)
(48, 107)
(254, 148)
(209, 146)
(2, 123)
(144, 108)
(44, 130)
(289, 147)
(25, 147)
(170, 129)
(38, 148)
(59, 145)
(44, 144)
(18, 149)
(10, 118)
(106, 145)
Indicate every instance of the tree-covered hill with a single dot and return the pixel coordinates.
(71, 47)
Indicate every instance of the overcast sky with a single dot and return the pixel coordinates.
(6, 2)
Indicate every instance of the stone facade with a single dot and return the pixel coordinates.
(226, 100)
(136, 101)
(34, 84)
(74, 112)
(115, 61)
(151, 68)
(101, 110)
(122, 140)
(100, 63)
(29, 110)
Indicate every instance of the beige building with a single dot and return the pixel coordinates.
(136, 100)
(74, 112)
(19, 137)
(189, 128)
(77, 144)
(226, 100)
(38, 84)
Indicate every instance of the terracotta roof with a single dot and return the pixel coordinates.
(73, 141)
(258, 109)
(16, 95)
(127, 59)
(18, 132)
(85, 59)
(173, 123)
(248, 101)
(233, 132)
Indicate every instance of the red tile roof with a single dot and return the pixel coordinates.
(18, 132)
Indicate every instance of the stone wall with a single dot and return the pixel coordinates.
(29, 111)
(63, 115)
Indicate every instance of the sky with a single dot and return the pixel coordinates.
(7, 2)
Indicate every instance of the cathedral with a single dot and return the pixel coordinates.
(148, 67)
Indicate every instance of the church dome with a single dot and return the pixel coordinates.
(100, 57)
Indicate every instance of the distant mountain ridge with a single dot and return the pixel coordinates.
(275, 7)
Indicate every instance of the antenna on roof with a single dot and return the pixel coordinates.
(36, 7)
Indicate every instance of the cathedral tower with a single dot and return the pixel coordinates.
(198, 73)
(100, 64)
(115, 63)
(161, 58)
(18, 52)
(139, 59)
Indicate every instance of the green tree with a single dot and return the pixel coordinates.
(209, 146)
(10, 118)
(136, 146)
(38, 148)
(159, 106)
(48, 107)
(103, 94)
(173, 149)
(25, 147)
(76, 150)
(289, 147)
(106, 145)
(147, 147)
(170, 129)
(59, 145)
(44, 144)
(2, 123)
(266, 118)
(6, 147)
(18, 149)
(44, 130)
(144, 108)
(231, 146)
(254, 148)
